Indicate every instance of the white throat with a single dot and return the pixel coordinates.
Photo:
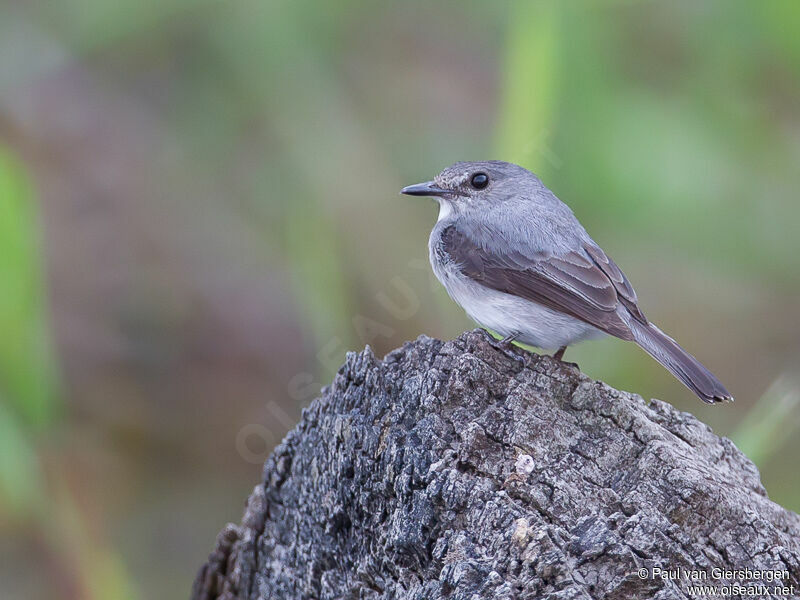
(445, 210)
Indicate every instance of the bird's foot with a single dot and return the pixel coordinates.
(509, 338)
(506, 346)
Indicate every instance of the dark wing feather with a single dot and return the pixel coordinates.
(621, 284)
(584, 284)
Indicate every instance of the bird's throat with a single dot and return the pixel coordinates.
(445, 209)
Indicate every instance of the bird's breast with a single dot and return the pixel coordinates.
(504, 313)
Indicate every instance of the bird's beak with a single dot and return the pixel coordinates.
(425, 189)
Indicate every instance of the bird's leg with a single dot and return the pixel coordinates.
(559, 356)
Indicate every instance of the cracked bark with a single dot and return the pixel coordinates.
(450, 470)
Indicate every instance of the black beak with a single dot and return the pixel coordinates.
(425, 189)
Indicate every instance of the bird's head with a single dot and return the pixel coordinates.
(475, 185)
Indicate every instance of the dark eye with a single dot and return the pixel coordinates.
(479, 181)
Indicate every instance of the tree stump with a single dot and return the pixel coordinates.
(457, 470)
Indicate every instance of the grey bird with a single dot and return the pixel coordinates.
(517, 260)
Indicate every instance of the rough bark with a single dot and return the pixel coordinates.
(455, 470)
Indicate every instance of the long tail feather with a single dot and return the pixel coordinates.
(680, 363)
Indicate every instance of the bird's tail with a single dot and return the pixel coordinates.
(680, 363)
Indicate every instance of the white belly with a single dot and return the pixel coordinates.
(536, 325)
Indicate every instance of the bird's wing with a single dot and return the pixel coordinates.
(583, 283)
(622, 286)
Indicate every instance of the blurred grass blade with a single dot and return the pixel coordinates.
(530, 86)
(27, 380)
(318, 275)
(772, 421)
(20, 476)
(99, 572)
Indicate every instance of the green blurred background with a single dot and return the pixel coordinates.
(199, 215)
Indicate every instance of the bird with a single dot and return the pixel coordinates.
(519, 262)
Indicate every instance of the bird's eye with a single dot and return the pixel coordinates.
(479, 181)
